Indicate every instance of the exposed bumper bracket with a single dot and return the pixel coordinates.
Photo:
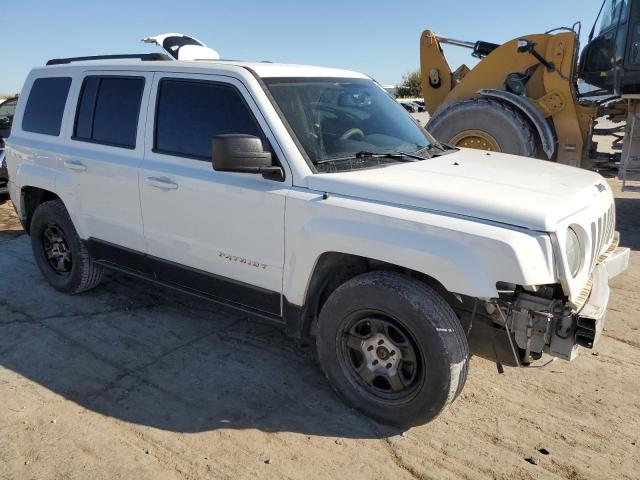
(617, 262)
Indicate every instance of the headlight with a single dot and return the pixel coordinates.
(574, 251)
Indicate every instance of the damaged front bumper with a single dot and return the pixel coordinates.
(520, 330)
(590, 319)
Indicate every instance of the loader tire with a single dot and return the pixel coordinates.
(484, 124)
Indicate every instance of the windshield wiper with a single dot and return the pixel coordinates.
(400, 156)
(442, 149)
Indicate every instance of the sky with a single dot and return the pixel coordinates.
(380, 38)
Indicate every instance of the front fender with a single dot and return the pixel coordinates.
(466, 256)
(526, 106)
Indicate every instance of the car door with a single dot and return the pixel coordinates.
(105, 147)
(217, 233)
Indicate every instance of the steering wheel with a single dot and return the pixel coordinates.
(352, 132)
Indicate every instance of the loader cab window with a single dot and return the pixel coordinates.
(613, 11)
(607, 49)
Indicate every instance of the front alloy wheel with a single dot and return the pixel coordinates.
(380, 353)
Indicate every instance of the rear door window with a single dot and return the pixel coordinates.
(45, 105)
(108, 110)
(190, 113)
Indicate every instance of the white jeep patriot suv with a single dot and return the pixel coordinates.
(308, 197)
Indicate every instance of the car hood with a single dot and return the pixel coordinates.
(520, 191)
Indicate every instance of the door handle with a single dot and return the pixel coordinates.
(75, 165)
(161, 182)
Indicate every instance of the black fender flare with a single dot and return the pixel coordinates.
(526, 106)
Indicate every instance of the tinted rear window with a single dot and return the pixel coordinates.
(108, 110)
(189, 114)
(45, 105)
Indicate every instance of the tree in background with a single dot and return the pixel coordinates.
(411, 86)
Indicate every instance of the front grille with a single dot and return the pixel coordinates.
(602, 231)
(615, 243)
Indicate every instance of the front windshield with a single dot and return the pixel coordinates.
(343, 117)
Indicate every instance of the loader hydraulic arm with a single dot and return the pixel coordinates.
(437, 78)
(531, 81)
(525, 46)
(480, 49)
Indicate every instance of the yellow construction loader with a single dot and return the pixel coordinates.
(523, 97)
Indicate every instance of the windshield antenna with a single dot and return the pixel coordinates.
(593, 29)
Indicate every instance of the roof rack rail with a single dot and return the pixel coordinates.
(145, 57)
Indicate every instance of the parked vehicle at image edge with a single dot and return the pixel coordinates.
(7, 110)
(408, 107)
(412, 107)
(307, 197)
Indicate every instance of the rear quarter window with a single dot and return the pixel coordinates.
(45, 105)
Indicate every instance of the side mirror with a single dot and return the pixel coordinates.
(243, 154)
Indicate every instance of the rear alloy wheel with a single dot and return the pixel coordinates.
(484, 124)
(56, 249)
(60, 254)
(392, 348)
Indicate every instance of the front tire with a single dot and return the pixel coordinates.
(392, 348)
(59, 253)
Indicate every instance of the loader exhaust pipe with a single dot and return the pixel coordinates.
(480, 49)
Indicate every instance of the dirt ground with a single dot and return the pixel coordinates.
(135, 381)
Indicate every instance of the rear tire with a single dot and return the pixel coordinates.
(486, 125)
(60, 254)
(392, 348)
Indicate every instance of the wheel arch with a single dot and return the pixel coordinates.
(544, 128)
(30, 198)
(331, 270)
